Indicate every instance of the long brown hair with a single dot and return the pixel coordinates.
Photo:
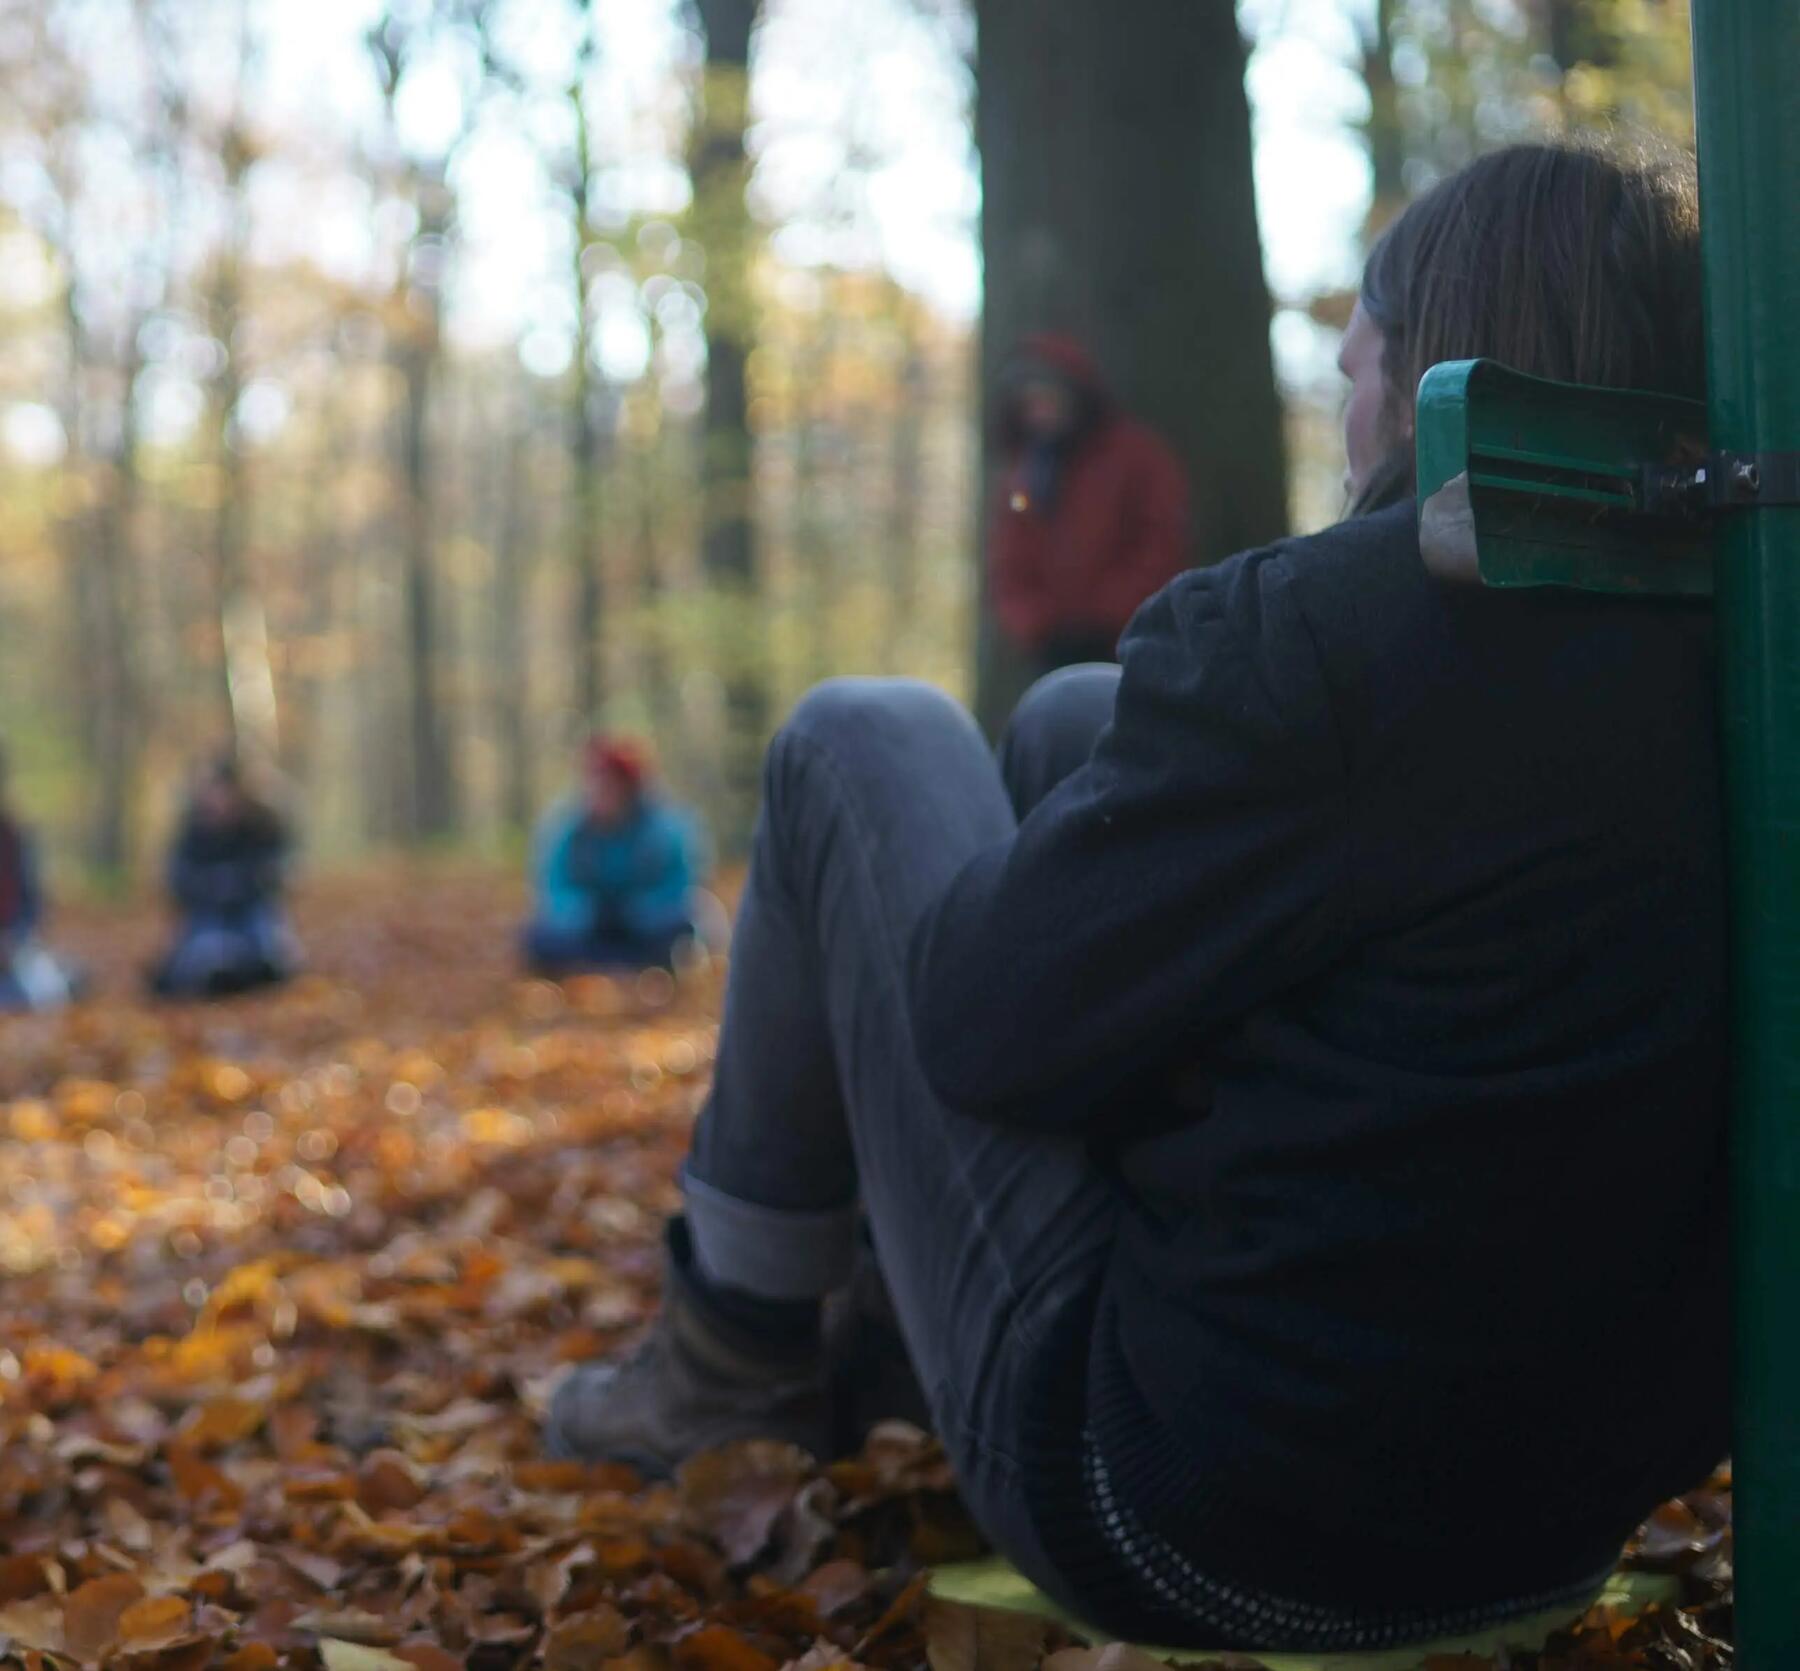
(1573, 262)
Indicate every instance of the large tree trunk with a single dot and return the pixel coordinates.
(1118, 205)
(721, 218)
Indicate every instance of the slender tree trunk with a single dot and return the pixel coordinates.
(1386, 133)
(118, 728)
(1118, 204)
(101, 559)
(432, 813)
(508, 662)
(246, 679)
(729, 563)
(815, 560)
(584, 542)
(652, 642)
(585, 549)
(906, 482)
(246, 682)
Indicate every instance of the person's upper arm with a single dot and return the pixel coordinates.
(1182, 877)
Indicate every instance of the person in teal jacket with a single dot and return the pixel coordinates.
(614, 870)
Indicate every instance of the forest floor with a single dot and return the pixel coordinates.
(284, 1283)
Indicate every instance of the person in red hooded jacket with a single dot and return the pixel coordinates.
(1091, 513)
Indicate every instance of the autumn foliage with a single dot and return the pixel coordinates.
(286, 1282)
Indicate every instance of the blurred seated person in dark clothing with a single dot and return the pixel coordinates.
(227, 872)
(1090, 514)
(31, 977)
(615, 869)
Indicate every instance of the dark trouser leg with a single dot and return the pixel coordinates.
(550, 950)
(876, 792)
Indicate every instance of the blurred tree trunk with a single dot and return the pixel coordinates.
(906, 481)
(585, 509)
(652, 645)
(99, 539)
(508, 662)
(721, 219)
(1118, 205)
(431, 813)
(321, 524)
(816, 491)
(246, 683)
(417, 343)
(112, 594)
(1384, 129)
(102, 563)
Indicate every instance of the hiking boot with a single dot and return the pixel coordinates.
(695, 1382)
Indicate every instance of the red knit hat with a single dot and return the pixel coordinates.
(617, 757)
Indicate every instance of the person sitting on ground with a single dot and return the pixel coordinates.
(616, 868)
(227, 874)
(1090, 511)
(1286, 1092)
(31, 976)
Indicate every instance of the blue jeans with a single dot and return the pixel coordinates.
(991, 1241)
(552, 950)
(219, 952)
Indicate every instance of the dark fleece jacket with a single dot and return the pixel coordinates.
(1379, 951)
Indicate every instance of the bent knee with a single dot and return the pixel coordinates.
(1072, 698)
(859, 709)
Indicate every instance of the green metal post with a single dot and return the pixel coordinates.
(1746, 71)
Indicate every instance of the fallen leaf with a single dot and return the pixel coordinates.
(715, 1648)
(578, 1642)
(389, 1481)
(358, 1656)
(959, 1638)
(92, 1614)
(153, 1622)
(836, 1587)
(36, 1623)
(735, 1495)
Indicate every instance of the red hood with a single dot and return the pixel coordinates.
(1064, 355)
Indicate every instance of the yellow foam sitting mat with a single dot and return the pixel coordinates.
(986, 1616)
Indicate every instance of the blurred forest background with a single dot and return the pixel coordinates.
(395, 391)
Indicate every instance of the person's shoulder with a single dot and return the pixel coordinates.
(1350, 569)
(1360, 584)
(1354, 594)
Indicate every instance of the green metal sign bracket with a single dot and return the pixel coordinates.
(1527, 484)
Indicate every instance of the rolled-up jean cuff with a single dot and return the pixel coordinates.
(776, 1253)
